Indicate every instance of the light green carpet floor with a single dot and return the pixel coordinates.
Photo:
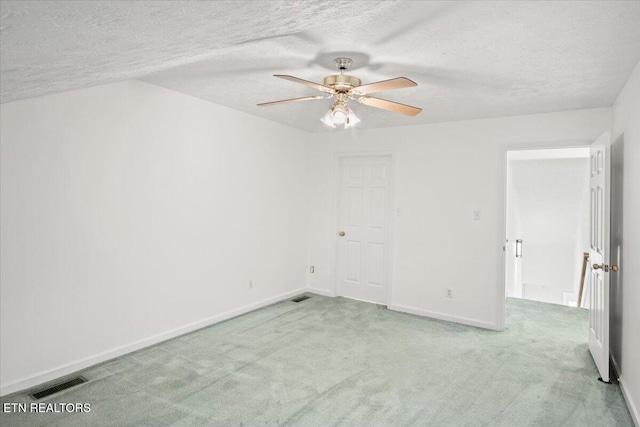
(334, 361)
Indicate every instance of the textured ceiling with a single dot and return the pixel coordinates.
(470, 59)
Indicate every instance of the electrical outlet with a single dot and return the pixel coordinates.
(250, 284)
(312, 269)
(448, 293)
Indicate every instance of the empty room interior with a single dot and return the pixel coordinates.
(319, 213)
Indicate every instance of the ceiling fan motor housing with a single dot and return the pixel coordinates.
(341, 82)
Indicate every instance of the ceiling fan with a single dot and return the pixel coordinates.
(342, 87)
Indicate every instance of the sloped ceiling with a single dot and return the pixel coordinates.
(470, 59)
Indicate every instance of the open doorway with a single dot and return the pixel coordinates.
(547, 224)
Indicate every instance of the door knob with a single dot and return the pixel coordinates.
(614, 268)
(342, 233)
(597, 266)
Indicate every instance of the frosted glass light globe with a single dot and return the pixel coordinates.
(339, 117)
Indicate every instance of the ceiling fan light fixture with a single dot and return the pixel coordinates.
(328, 120)
(352, 120)
(339, 114)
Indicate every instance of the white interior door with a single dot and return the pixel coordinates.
(599, 254)
(363, 217)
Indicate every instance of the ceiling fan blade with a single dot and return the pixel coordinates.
(396, 107)
(287, 101)
(397, 83)
(318, 86)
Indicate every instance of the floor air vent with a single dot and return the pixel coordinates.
(58, 387)
(300, 299)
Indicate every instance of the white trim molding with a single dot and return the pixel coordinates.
(631, 405)
(318, 291)
(447, 317)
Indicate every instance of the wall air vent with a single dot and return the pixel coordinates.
(300, 299)
(58, 387)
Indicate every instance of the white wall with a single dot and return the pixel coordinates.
(132, 213)
(443, 172)
(625, 244)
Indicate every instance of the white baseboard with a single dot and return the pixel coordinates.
(442, 316)
(322, 292)
(631, 405)
(69, 368)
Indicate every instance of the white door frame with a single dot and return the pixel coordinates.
(335, 200)
(502, 210)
